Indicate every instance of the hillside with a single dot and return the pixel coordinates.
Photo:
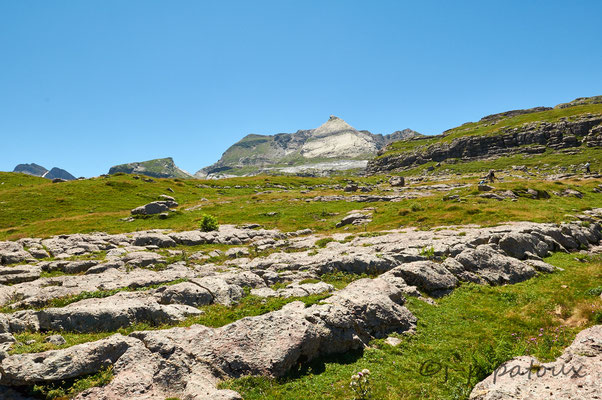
(158, 168)
(334, 146)
(572, 127)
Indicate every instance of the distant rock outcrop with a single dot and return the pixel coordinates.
(38, 170)
(335, 145)
(158, 168)
(498, 134)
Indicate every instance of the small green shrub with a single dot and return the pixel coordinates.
(416, 207)
(428, 252)
(209, 223)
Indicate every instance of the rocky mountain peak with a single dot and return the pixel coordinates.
(333, 146)
(334, 126)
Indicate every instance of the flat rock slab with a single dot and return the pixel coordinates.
(55, 365)
(426, 275)
(19, 274)
(294, 290)
(101, 315)
(39, 292)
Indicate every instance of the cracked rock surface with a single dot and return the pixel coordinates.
(129, 279)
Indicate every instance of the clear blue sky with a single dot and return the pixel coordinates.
(89, 84)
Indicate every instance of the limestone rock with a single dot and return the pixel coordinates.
(493, 267)
(576, 374)
(156, 239)
(397, 181)
(56, 340)
(186, 293)
(143, 258)
(101, 315)
(19, 273)
(156, 207)
(57, 365)
(517, 245)
(355, 219)
(429, 276)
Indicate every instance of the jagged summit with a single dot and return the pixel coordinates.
(333, 126)
(334, 145)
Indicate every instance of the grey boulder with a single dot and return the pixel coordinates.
(156, 207)
(494, 267)
(429, 276)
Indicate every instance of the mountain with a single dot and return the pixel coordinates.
(59, 173)
(38, 170)
(158, 168)
(335, 145)
(574, 125)
(31, 169)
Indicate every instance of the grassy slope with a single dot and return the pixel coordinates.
(487, 128)
(39, 208)
(471, 331)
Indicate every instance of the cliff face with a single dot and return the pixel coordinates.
(335, 145)
(531, 137)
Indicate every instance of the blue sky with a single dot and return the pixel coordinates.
(89, 84)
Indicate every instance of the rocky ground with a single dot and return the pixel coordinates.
(89, 283)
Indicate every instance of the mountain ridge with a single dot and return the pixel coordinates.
(528, 131)
(335, 145)
(37, 170)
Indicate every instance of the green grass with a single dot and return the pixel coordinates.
(35, 207)
(471, 331)
(70, 388)
(321, 243)
(217, 315)
(32, 210)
